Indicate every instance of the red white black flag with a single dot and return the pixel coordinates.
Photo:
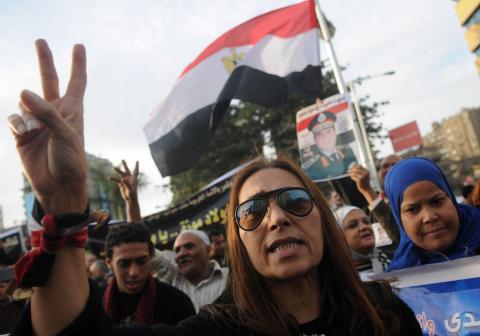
(262, 61)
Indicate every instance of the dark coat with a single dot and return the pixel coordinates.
(93, 321)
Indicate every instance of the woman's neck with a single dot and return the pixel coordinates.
(299, 297)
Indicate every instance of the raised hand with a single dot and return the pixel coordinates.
(361, 176)
(127, 182)
(49, 135)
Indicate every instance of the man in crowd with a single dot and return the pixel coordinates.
(377, 202)
(328, 159)
(202, 279)
(217, 246)
(98, 272)
(134, 296)
(335, 200)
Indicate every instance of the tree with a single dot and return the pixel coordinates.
(373, 124)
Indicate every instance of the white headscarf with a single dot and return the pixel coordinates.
(342, 212)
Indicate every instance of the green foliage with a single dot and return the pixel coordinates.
(373, 124)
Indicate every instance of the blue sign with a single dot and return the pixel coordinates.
(445, 297)
(448, 308)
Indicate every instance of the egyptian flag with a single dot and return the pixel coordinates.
(262, 61)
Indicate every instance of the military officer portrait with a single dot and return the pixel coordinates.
(327, 159)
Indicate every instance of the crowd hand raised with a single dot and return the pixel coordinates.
(361, 176)
(127, 181)
(49, 135)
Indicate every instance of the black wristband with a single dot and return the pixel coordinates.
(67, 223)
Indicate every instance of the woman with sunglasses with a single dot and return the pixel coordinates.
(292, 273)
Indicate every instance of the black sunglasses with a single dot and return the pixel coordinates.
(296, 201)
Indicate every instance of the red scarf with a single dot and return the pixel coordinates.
(145, 313)
(34, 267)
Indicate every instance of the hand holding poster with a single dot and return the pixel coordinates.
(326, 138)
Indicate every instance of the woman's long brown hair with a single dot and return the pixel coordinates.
(341, 288)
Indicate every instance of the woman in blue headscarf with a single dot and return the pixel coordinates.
(433, 226)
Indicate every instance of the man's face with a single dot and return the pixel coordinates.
(326, 139)
(96, 272)
(130, 264)
(385, 165)
(191, 255)
(217, 246)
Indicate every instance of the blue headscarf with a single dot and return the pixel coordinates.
(399, 178)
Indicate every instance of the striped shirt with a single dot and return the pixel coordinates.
(205, 292)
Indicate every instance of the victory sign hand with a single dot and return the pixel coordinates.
(127, 182)
(49, 135)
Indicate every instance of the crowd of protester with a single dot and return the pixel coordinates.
(290, 261)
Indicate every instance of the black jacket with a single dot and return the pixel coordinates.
(93, 321)
(171, 305)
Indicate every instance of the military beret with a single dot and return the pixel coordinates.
(322, 121)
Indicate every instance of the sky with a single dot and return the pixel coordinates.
(136, 49)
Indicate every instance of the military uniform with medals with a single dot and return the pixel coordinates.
(321, 165)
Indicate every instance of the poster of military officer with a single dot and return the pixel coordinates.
(326, 139)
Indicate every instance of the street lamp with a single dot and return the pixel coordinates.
(361, 79)
(358, 112)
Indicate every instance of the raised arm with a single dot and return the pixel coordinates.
(49, 138)
(377, 206)
(128, 184)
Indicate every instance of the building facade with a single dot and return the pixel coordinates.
(468, 13)
(456, 137)
(454, 144)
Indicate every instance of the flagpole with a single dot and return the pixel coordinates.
(358, 111)
(331, 52)
(358, 124)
